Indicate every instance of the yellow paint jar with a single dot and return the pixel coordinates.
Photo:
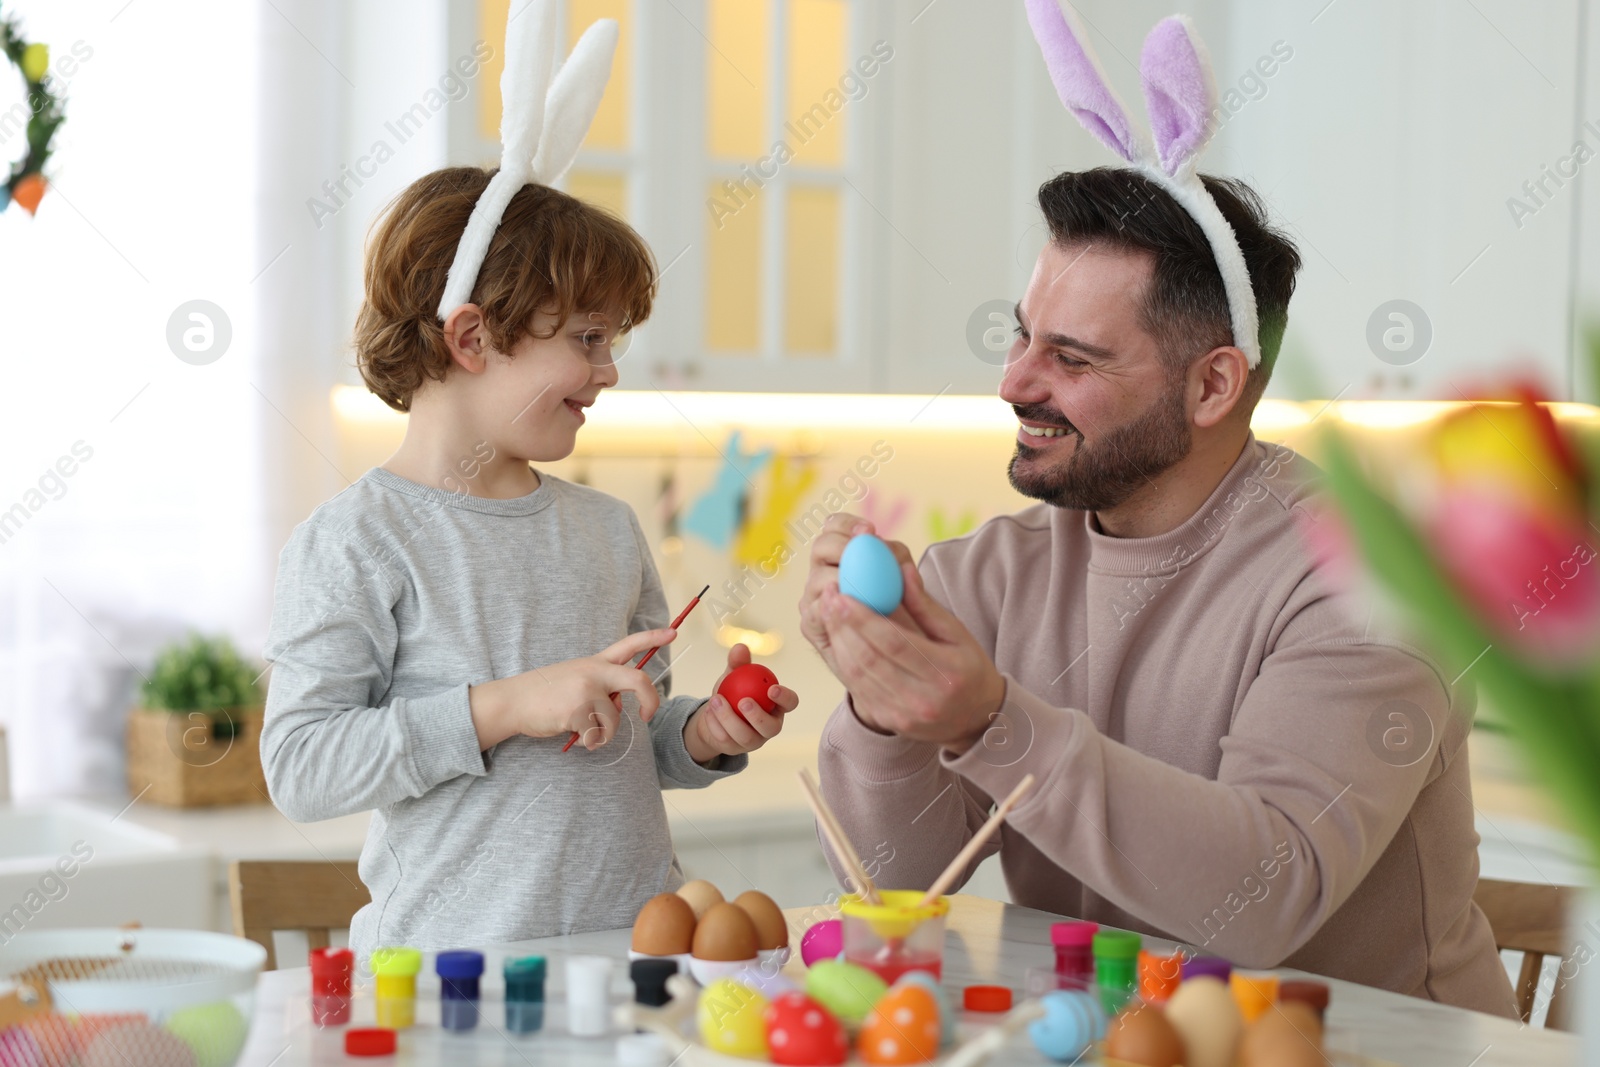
(395, 997)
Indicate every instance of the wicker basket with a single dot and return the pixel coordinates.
(182, 760)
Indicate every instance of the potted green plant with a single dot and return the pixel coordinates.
(194, 739)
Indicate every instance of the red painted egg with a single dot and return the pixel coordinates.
(753, 681)
(800, 1031)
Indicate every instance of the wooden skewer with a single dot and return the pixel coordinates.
(834, 832)
(964, 857)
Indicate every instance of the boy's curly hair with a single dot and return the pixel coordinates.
(552, 253)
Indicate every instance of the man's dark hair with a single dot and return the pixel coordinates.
(1186, 307)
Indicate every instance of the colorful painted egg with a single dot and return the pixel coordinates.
(903, 1027)
(947, 1018)
(215, 1032)
(731, 1018)
(801, 1032)
(753, 681)
(869, 572)
(19, 1048)
(846, 990)
(138, 1045)
(822, 941)
(1073, 1020)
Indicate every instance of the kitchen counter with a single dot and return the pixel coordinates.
(755, 830)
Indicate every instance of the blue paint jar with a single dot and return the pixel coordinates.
(459, 974)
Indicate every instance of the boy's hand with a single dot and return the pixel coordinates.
(716, 729)
(571, 696)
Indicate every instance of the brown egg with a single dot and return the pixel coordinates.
(1288, 1035)
(771, 929)
(700, 894)
(665, 926)
(1142, 1035)
(725, 932)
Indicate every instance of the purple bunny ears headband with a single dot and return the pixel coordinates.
(543, 119)
(1181, 97)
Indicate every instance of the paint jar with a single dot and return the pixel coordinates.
(1207, 967)
(1313, 995)
(1073, 943)
(1159, 976)
(1116, 973)
(458, 973)
(525, 994)
(1254, 993)
(899, 935)
(394, 997)
(330, 986)
(650, 980)
(588, 995)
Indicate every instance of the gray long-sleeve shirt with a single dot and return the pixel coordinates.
(393, 598)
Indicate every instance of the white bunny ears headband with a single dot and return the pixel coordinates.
(1181, 97)
(543, 120)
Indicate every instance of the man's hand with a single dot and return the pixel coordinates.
(717, 730)
(918, 673)
(826, 549)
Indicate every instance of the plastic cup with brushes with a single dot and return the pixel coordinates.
(893, 931)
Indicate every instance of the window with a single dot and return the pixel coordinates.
(732, 136)
(601, 174)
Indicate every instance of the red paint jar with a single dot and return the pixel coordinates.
(330, 986)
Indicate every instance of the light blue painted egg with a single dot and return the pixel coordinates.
(1073, 1020)
(947, 1018)
(869, 573)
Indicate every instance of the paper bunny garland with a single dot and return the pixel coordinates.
(543, 120)
(1181, 98)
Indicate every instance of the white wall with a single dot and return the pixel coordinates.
(160, 529)
(1388, 145)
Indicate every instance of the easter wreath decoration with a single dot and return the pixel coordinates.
(26, 183)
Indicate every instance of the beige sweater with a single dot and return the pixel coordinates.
(1226, 754)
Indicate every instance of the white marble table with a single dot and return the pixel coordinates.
(988, 942)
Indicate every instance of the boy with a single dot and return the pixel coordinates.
(442, 625)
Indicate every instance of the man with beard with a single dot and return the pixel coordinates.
(1226, 752)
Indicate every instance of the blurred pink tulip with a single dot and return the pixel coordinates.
(1530, 573)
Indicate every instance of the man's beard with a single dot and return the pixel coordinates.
(1103, 475)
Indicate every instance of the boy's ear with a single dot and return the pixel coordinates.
(467, 338)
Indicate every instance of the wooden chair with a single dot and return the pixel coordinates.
(312, 897)
(1531, 919)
